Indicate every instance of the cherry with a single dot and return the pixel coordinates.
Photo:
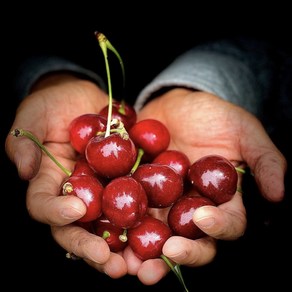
(113, 235)
(82, 167)
(121, 111)
(215, 177)
(83, 128)
(148, 238)
(111, 156)
(163, 185)
(89, 190)
(124, 202)
(150, 135)
(175, 159)
(88, 225)
(180, 216)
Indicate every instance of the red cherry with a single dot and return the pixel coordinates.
(147, 239)
(88, 225)
(82, 167)
(83, 128)
(113, 235)
(215, 177)
(150, 135)
(163, 185)
(111, 156)
(124, 202)
(123, 112)
(175, 159)
(89, 190)
(180, 216)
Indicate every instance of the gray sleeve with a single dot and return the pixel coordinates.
(237, 71)
(33, 68)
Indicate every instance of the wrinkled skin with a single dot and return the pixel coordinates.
(200, 123)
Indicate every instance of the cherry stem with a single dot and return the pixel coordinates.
(138, 160)
(240, 169)
(102, 40)
(105, 44)
(106, 234)
(72, 256)
(123, 237)
(122, 108)
(24, 133)
(177, 271)
(113, 49)
(239, 189)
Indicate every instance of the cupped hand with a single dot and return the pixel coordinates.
(47, 112)
(200, 124)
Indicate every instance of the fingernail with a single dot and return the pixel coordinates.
(203, 220)
(70, 213)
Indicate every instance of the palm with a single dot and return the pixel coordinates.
(192, 130)
(47, 113)
(201, 123)
(59, 105)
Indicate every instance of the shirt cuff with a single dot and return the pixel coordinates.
(34, 68)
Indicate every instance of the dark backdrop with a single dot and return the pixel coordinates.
(147, 41)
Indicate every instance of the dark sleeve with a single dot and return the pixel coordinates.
(37, 66)
(242, 71)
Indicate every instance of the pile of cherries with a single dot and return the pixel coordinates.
(125, 171)
(122, 176)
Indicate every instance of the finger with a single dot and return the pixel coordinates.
(46, 205)
(189, 252)
(115, 267)
(24, 154)
(152, 271)
(227, 221)
(22, 151)
(266, 162)
(269, 171)
(149, 272)
(133, 262)
(82, 243)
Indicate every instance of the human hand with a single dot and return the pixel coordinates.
(54, 102)
(201, 124)
(51, 209)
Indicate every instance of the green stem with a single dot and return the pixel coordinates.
(21, 133)
(102, 40)
(113, 49)
(105, 44)
(123, 237)
(138, 160)
(106, 234)
(239, 189)
(177, 271)
(72, 256)
(122, 108)
(240, 169)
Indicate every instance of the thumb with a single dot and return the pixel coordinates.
(24, 154)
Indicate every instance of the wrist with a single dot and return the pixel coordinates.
(169, 91)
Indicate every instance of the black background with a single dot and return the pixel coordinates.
(147, 40)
